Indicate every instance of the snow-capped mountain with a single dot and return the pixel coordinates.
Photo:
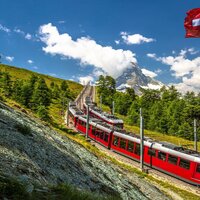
(134, 78)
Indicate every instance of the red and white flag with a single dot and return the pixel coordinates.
(192, 23)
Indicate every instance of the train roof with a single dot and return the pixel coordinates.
(106, 116)
(162, 146)
(75, 111)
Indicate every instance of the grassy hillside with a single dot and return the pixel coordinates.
(55, 108)
(24, 74)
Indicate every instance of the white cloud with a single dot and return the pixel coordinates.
(135, 38)
(111, 61)
(151, 55)
(30, 61)
(28, 36)
(192, 51)
(17, 30)
(148, 73)
(5, 29)
(117, 41)
(188, 70)
(85, 79)
(9, 58)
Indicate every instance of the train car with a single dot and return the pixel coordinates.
(101, 132)
(171, 159)
(74, 113)
(98, 113)
(81, 124)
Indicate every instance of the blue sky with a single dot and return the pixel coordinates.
(80, 39)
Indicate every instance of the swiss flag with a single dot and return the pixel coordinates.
(192, 23)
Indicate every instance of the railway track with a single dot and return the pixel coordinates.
(155, 173)
(88, 90)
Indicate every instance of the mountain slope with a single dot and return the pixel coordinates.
(134, 78)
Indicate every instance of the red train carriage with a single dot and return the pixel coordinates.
(74, 113)
(81, 124)
(100, 132)
(108, 118)
(170, 159)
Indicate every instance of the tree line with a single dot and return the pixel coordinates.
(165, 110)
(34, 93)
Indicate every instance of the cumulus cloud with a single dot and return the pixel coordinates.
(9, 58)
(28, 36)
(135, 38)
(5, 29)
(148, 73)
(19, 31)
(85, 79)
(30, 61)
(111, 61)
(188, 70)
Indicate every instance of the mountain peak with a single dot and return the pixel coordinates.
(134, 78)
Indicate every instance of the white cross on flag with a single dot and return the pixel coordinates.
(192, 23)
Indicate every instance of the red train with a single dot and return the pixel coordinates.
(98, 113)
(174, 160)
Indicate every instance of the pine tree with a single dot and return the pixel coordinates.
(17, 90)
(41, 94)
(43, 113)
(6, 84)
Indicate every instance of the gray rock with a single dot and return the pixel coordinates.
(47, 158)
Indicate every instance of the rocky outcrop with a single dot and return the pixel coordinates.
(35, 153)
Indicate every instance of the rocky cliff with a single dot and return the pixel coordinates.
(32, 151)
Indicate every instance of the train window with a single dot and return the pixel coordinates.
(106, 138)
(198, 168)
(151, 152)
(137, 149)
(172, 159)
(116, 141)
(184, 163)
(122, 143)
(93, 131)
(162, 156)
(97, 133)
(101, 135)
(130, 146)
